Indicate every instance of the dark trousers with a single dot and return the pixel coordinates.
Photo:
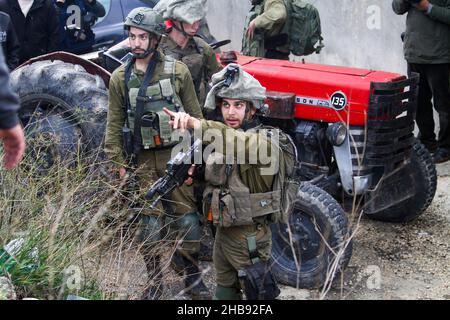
(434, 84)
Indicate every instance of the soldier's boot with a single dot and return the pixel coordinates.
(155, 288)
(177, 263)
(193, 280)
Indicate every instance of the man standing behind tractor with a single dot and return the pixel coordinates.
(243, 198)
(136, 124)
(262, 34)
(183, 18)
(427, 51)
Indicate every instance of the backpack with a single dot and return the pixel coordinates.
(303, 28)
(285, 180)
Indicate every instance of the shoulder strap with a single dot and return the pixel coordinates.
(169, 67)
(252, 249)
(199, 44)
(141, 99)
(127, 106)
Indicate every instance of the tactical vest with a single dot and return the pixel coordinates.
(255, 46)
(155, 129)
(193, 58)
(230, 200)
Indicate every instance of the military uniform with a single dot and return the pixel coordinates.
(240, 196)
(199, 57)
(270, 17)
(170, 85)
(151, 163)
(231, 248)
(197, 54)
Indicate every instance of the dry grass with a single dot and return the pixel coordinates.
(78, 237)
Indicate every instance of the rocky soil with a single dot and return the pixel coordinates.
(398, 261)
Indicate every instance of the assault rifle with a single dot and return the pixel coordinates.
(176, 173)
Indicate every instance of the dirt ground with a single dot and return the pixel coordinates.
(390, 261)
(398, 261)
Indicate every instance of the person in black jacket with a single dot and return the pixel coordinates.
(427, 51)
(36, 26)
(11, 133)
(9, 41)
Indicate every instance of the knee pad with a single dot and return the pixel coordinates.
(150, 229)
(189, 226)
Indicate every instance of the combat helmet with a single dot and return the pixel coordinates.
(146, 19)
(235, 83)
(188, 11)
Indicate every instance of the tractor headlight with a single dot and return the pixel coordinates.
(337, 133)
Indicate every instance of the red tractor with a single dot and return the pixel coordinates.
(353, 129)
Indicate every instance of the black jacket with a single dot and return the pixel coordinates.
(38, 32)
(9, 103)
(9, 41)
(427, 37)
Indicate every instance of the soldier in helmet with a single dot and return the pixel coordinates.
(262, 33)
(241, 196)
(137, 126)
(183, 19)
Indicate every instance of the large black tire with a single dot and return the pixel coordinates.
(319, 229)
(425, 182)
(63, 110)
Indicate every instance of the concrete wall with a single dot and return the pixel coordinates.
(358, 33)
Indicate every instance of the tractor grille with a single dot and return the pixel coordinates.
(387, 139)
(358, 147)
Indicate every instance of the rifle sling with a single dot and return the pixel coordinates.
(140, 101)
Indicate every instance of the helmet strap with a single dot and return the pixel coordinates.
(183, 32)
(148, 51)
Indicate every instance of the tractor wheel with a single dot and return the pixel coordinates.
(63, 111)
(304, 254)
(424, 174)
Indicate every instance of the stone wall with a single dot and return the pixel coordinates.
(358, 33)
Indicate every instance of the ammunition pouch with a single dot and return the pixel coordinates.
(230, 200)
(155, 130)
(127, 139)
(145, 117)
(258, 282)
(231, 209)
